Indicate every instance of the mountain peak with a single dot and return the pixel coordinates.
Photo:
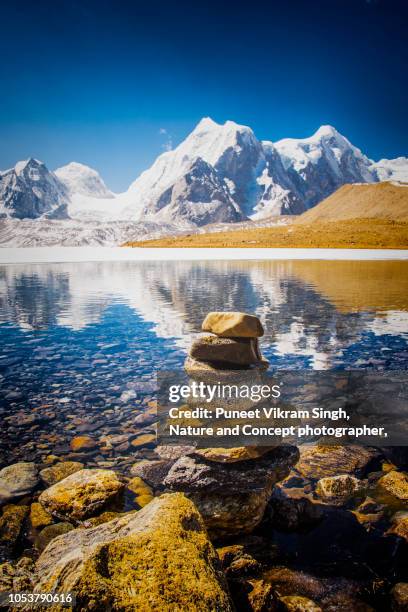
(326, 130)
(81, 179)
(205, 124)
(27, 163)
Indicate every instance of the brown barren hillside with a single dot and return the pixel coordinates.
(374, 201)
(356, 216)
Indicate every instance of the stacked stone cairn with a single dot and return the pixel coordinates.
(230, 486)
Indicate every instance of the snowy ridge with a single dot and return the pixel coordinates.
(221, 173)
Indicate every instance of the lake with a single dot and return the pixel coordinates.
(81, 343)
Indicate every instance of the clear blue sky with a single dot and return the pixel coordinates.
(98, 81)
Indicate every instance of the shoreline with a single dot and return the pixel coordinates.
(11, 256)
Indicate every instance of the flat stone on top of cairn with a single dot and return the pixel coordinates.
(233, 325)
(232, 345)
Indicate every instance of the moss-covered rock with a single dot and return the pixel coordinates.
(321, 461)
(39, 517)
(338, 489)
(159, 558)
(11, 524)
(143, 493)
(50, 532)
(82, 443)
(399, 597)
(59, 471)
(230, 455)
(82, 494)
(396, 484)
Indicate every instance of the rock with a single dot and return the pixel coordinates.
(399, 597)
(320, 461)
(17, 577)
(237, 563)
(105, 517)
(219, 369)
(144, 440)
(395, 484)
(152, 472)
(230, 455)
(399, 526)
(82, 494)
(159, 558)
(167, 451)
(242, 351)
(54, 474)
(261, 597)
(338, 489)
(50, 532)
(11, 524)
(230, 496)
(81, 443)
(144, 493)
(17, 480)
(297, 603)
(344, 601)
(39, 517)
(233, 325)
(290, 509)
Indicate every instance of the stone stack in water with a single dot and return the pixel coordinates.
(232, 345)
(230, 486)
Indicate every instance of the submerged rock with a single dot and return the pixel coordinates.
(159, 558)
(17, 480)
(82, 443)
(59, 471)
(297, 603)
(399, 597)
(233, 325)
(143, 492)
(81, 494)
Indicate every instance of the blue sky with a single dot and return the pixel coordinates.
(111, 84)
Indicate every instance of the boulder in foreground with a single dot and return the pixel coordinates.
(159, 558)
(17, 480)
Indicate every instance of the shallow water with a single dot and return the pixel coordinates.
(80, 343)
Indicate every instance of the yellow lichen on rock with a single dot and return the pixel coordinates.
(159, 558)
(39, 517)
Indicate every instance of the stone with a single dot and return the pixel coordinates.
(395, 484)
(152, 472)
(105, 517)
(320, 461)
(399, 526)
(50, 532)
(17, 577)
(216, 370)
(231, 455)
(338, 489)
(297, 603)
(261, 597)
(242, 351)
(231, 497)
(146, 439)
(82, 494)
(399, 597)
(11, 524)
(39, 517)
(82, 443)
(59, 471)
(144, 493)
(291, 509)
(159, 558)
(233, 325)
(17, 480)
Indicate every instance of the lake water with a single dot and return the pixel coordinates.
(80, 343)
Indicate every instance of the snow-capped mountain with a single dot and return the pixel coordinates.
(392, 169)
(218, 174)
(31, 191)
(83, 180)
